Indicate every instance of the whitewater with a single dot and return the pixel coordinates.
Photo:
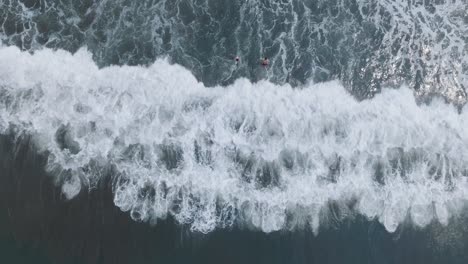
(258, 155)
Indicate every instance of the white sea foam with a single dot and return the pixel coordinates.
(266, 156)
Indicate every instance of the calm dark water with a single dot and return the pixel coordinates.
(38, 225)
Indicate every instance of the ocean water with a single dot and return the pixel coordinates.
(129, 135)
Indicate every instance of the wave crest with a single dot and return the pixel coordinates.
(266, 156)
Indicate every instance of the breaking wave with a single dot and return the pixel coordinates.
(264, 156)
(366, 44)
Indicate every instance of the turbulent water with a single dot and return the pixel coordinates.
(360, 113)
(268, 156)
(365, 43)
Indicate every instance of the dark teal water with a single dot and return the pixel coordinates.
(38, 225)
(364, 44)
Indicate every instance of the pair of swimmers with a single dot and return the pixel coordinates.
(264, 62)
